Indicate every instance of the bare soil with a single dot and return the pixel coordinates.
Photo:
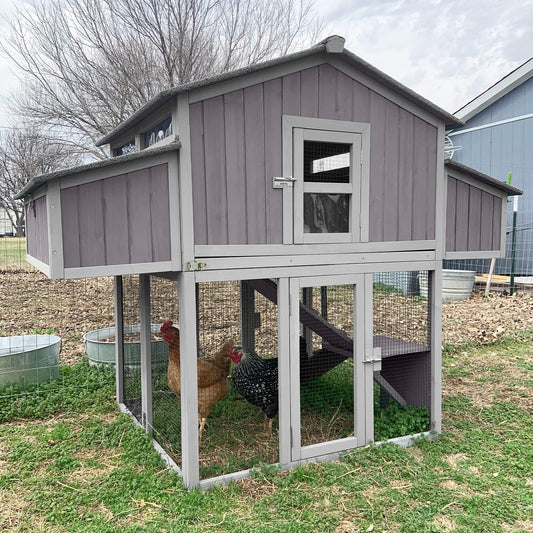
(32, 303)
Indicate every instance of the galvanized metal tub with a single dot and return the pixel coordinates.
(26, 359)
(457, 285)
(101, 350)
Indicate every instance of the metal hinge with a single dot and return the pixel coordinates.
(278, 182)
(196, 265)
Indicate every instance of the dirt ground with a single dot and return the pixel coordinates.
(31, 303)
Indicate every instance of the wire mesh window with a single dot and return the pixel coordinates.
(326, 363)
(326, 163)
(402, 331)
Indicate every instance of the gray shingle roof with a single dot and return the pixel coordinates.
(331, 44)
(509, 189)
(38, 181)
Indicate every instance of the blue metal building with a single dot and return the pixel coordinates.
(497, 139)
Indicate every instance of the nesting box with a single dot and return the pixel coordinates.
(289, 207)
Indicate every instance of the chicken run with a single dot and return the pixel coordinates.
(237, 368)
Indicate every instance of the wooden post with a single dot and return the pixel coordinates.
(119, 337)
(188, 380)
(146, 352)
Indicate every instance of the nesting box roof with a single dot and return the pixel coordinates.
(38, 181)
(508, 189)
(331, 45)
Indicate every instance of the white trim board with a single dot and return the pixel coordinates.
(215, 263)
(302, 271)
(117, 270)
(490, 125)
(39, 265)
(247, 250)
(473, 254)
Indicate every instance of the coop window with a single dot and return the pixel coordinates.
(158, 132)
(327, 168)
(128, 148)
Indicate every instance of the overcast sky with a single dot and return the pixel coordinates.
(447, 51)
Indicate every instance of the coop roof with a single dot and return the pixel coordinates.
(38, 181)
(333, 44)
(509, 189)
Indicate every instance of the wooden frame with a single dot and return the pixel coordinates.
(353, 188)
(299, 452)
(295, 130)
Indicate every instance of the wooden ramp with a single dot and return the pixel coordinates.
(337, 342)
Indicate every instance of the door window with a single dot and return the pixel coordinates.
(327, 168)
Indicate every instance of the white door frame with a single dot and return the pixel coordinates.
(361, 375)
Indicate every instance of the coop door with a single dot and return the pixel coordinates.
(327, 183)
(326, 362)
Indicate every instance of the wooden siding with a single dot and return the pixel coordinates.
(473, 218)
(37, 230)
(118, 220)
(236, 146)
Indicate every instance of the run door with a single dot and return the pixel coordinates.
(328, 378)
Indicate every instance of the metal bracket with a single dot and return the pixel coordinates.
(375, 360)
(278, 182)
(196, 265)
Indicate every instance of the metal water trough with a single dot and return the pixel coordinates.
(101, 351)
(457, 285)
(26, 359)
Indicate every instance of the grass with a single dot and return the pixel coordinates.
(85, 467)
(13, 253)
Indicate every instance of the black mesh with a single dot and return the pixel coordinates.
(326, 363)
(402, 331)
(326, 162)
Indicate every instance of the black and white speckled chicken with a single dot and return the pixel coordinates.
(256, 378)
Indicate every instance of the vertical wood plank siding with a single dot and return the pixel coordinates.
(37, 230)
(119, 220)
(236, 141)
(473, 218)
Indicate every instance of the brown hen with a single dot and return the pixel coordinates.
(213, 384)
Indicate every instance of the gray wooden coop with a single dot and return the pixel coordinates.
(287, 206)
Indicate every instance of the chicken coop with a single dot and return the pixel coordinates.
(273, 224)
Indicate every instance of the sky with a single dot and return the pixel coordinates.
(447, 51)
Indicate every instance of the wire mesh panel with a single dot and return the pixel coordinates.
(326, 363)
(42, 328)
(234, 434)
(402, 331)
(166, 398)
(132, 358)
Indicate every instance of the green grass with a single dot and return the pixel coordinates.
(85, 467)
(13, 253)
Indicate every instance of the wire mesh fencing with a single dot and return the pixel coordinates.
(43, 323)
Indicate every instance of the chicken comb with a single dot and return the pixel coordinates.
(166, 325)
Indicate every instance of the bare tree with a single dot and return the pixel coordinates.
(24, 154)
(86, 65)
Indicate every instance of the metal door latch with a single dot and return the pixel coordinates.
(279, 181)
